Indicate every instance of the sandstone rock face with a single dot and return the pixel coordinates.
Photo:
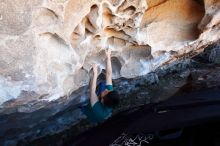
(47, 47)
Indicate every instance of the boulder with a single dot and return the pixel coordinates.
(47, 47)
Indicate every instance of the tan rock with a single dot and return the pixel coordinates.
(48, 47)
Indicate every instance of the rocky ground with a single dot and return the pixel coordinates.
(59, 122)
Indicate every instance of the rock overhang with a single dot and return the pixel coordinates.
(52, 50)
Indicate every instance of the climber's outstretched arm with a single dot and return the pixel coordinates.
(108, 68)
(93, 81)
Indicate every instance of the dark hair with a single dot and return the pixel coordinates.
(111, 99)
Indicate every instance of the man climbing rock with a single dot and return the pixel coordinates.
(102, 97)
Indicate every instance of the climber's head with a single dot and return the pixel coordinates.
(111, 99)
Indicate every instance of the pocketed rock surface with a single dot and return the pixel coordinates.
(47, 47)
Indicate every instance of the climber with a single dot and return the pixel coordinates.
(102, 97)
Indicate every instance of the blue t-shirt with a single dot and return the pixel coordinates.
(98, 112)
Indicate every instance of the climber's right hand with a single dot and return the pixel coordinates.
(108, 52)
